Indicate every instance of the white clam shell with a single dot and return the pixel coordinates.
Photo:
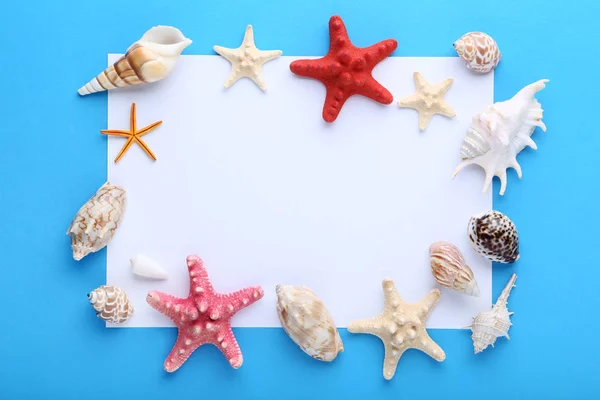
(479, 50)
(489, 325)
(111, 304)
(449, 269)
(97, 220)
(307, 322)
(150, 59)
(144, 266)
(500, 132)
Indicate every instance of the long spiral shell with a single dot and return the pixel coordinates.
(111, 304)
(449, 269)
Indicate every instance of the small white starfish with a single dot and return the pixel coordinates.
(401, 326)
(428, 100)
(246, 61)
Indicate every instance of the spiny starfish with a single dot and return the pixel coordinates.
(133, 134)
(346, 69)
(401, 326)
(247, 61)
(203, 317)
(428, 100)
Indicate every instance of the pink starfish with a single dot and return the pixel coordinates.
(203, 317)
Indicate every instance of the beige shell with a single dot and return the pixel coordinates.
(307, 322)
(449, 269)
(150, 59)
(479, 50)
(489, 325)
(111, 304)
(96, 221)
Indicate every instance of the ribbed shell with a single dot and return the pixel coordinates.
(474, 144)
(479, 50)
(97, 220)
(307, 322)
(111, 304)
(494, 236)
(449, 269)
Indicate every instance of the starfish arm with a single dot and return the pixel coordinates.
(166, 304)
(124, 149)
(234, 302)
(428, 302)
(374, 90)
(145, 147)
(420, 82)
(424, 119)
(390, 293)
(268, 55)
(228, 54)
(232, 78)
(445, 85)
(199, 282)
(429, 347)
(115, 132)
(248, 36)
(390, 361)
(230, 347)
(132, 123)
(409, 101)
(148, 128)
(257, 78)
(338, 35)
(181, 351)
(371, 326)
(307, 68)
(446, 110)
(334, 101)
(380, 51)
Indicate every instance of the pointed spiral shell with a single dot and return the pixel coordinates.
(449, 269)
(479, 50)
(111, 304)
(307, 322)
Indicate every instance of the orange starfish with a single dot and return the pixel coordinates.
(134, 135)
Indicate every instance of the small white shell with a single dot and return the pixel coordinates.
(142, 265)
(449, 269)
(97, 220)
(479, 50)
(500, 132)
(111, 304)
(489, 325)
(307, 322)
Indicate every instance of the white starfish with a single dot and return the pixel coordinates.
(428, 100)
(247, 61)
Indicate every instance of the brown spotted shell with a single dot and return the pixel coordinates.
(479, 50)
(449, 269)
(494, 236)
(111, 304)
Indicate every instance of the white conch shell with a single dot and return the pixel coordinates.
(449, 269)
(308, 323)
(96, 221)
(479, 50)
(142, 265)
(111, 304)
(500, 132)
(489, 325)
(150, 59)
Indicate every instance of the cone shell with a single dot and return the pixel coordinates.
(150, 59)
(494, 236)
(97, 220)
(142, 265)
(449, 269)
(479, 50)
(307, 322)
(111, 304)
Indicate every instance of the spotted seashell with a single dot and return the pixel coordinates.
(494, 236)
(96, 221)
(111, 304)
(449, 269)
(307, 322)
(479, 50)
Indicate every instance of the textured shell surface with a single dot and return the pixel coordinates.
(494, 236)
(111, 304)
(489, 325)
(479, 50)
(150, 59)
(97, 220)
(307, 322)
(449, 269)
(500, 132)
(143, 265)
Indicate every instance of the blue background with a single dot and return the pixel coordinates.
(52, 158)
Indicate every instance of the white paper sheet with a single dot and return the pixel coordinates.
(266, 192)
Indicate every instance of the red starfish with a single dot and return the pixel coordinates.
(203, 317)
(346, 69)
